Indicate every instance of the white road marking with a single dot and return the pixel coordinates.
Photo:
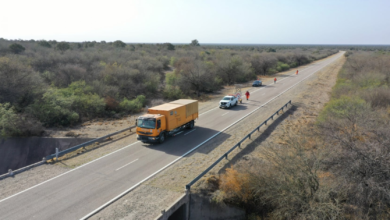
(178, 133)
(190, 132)
(69, 171)
(126, 165)
(226, 113)
(208, 111)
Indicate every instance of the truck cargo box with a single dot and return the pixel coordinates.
(191, 106)
(177, 114)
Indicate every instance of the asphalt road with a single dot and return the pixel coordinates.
(82, 190)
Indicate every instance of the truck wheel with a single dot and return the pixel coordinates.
(235, 103)
(162, 138)
(191, 125)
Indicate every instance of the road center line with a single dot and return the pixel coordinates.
(189, 132)
(126, 165)
(226, 113)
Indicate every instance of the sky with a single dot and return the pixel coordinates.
(211, 21)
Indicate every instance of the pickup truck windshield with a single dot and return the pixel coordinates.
(146, 123)
(226, 98)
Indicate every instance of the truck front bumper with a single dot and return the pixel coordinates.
(148, 139)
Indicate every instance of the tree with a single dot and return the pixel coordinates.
(119, 43)
(44, 43)
(16, 48)
(169, 46)
(195, 43)
(62, 46)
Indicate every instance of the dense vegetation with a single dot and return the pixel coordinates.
(337, 169)
(49, 83)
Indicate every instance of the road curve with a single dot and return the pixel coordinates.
(77, 193)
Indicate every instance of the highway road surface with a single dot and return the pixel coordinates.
(77, 193)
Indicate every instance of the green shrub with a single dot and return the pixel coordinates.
(8, 121)
(282, 67)
(65, 106)
(55, 108)
(134, 105)
(172, 61)
(342, 107)
(172, 92)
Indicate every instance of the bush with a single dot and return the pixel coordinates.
(44, 43)
(63, 46)
(172, 92)
(119, 44)
(343, 107)
(55, 108)
(9, 121)
(282, 67)
(16, 48)
(132, 106)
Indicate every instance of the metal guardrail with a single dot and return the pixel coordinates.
(188, 186)
(58, 154)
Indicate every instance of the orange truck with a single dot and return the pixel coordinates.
(166, 120)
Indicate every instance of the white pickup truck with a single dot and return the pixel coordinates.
(230, 100)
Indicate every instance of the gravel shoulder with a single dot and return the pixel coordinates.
(146, 201)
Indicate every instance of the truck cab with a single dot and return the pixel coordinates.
(150, 128)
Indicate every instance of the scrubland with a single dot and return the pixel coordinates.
(61, 84)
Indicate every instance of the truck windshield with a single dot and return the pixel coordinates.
(146, 123)
(226, 98)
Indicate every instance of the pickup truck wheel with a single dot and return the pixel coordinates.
(162, 138)
(228, 105)
(236, 103)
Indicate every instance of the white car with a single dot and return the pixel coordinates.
(228, 101)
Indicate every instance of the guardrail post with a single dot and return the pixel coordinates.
(226, 156)
(265, 122)
(239, 145)
(188, 193)
(10, 172)
(57, 153)
(272, 117)
(249, 136)
(277, 112)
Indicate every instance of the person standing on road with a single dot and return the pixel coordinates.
(247, 95)
(275, 80)
(296, 73)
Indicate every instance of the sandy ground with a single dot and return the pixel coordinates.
(146, 201)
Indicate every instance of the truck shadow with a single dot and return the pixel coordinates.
(260, 139)
(188, 140)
